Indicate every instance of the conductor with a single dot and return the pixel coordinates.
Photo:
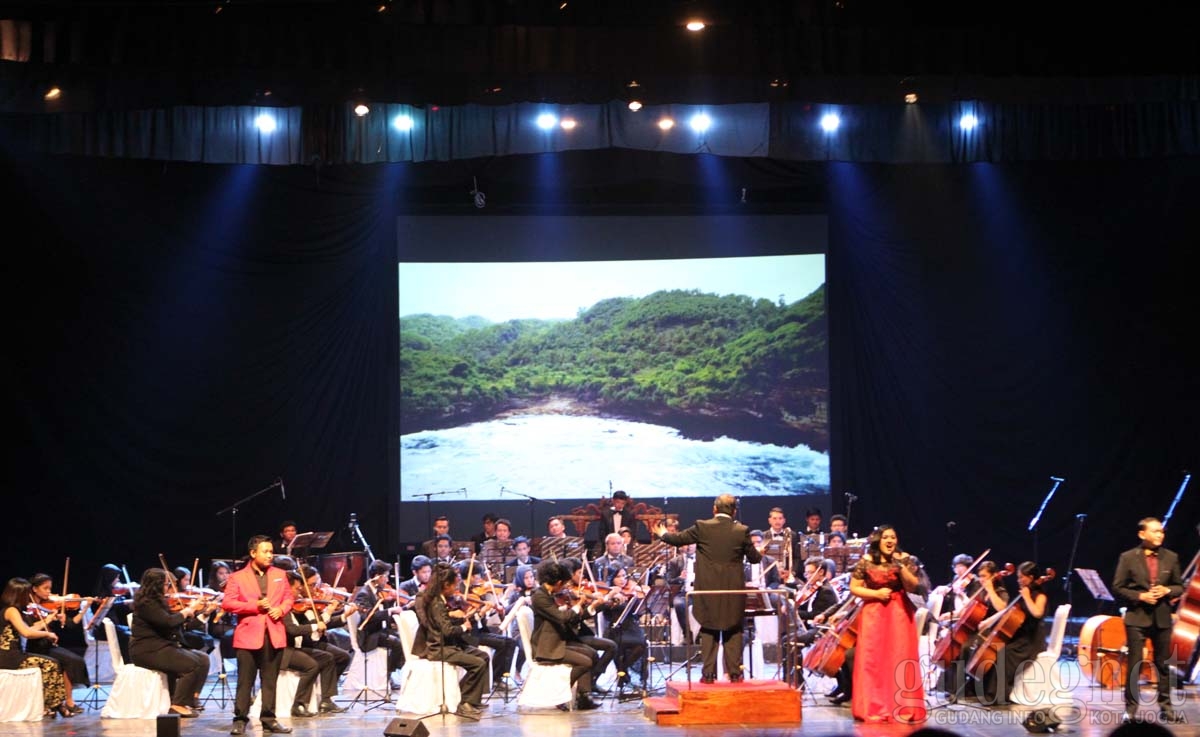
(721, 545)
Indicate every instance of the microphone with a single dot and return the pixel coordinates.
(282, 491)
(850, 497)
(1056, 478)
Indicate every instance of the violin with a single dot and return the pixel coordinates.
(319, 605)
(125, 589)
(69, 603)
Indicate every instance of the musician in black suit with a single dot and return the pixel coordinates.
(615, 516)
(157, 642)
(441, 526)
(1147, 578)
(553, 639)
(721, 545)
(378, 628)
(521, 557)
(614, 556)
(440, 637)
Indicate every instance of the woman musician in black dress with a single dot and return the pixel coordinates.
(157, 642)
(13, 627)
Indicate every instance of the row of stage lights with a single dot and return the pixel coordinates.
(700, 122)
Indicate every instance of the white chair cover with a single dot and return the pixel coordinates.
(21, 695)
(546, 686)
(1040, 682)
(367, 670)
(421, 680)
(285, 695)
(137, 693)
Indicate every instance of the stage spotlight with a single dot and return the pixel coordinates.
(402, 123)
(546, 121)
(968, 122)
(265, 123)
(700, 122)
(634, 105)
(910, 98)
(666, 124)
(361, 110)
(830, 122)
(695, 25)
(568, 124)
(53, 93)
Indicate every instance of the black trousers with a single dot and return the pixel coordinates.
(308, 667)
(73, 665)
(341, 661)
(582, 659)
(186, 671)
(265, 661)
(710, 638)
(605, 650)
(502, 659)
(475, 662)
(1160, 637)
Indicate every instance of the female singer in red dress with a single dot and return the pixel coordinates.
(887, 668)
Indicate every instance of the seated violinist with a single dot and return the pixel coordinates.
(13, 627)
(307, 651)
(605, 648)
(195, 629)
(484, 621)
(157, 642)
(112, 600)
(64, 617)
(440, 636)
(422, 568)
(621, 611)
(553, 639)
(378, 603)
(815, 596)
(221, 623)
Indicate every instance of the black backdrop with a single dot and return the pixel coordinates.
(181, 335)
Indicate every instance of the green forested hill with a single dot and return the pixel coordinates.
(675, 355)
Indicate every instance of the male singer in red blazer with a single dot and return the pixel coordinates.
(261, 597)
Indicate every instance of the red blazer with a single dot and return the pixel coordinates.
(241, 598)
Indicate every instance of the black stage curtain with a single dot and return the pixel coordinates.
(181, 335)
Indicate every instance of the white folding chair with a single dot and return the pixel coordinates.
(21, 695)
(137, 693)
(423, 682)
(286, 686)
(546, 684)
(366, 678)
(1040, 681)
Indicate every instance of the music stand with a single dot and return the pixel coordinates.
(1095, 584)
(558, 548)
(308, 541)
(494, 554)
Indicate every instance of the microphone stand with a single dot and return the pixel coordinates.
(428, 514)
(531, 501)
(233, 510)
(1068, 578)
(1033, 523)
(850, 499)
(356, 532)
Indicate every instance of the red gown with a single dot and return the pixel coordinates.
(887, 667)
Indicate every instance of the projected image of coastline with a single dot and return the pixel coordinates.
(674, 378)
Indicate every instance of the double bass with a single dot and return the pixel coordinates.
(1103, 657)
(1008, 622)
(1186, 629)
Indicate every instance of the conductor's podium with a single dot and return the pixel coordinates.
(748, 702)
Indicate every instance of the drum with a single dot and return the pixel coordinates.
(353, 567)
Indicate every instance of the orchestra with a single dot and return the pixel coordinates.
(846, 611)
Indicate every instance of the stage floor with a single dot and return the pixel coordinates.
(1099, 714)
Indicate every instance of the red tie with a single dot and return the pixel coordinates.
(1152, 564)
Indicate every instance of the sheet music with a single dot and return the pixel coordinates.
(1095, 584)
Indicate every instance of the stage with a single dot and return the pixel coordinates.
(1100, 713)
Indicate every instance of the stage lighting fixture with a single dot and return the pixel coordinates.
(402, 123)
(700, 122)
(265, 123)
(361, 110)
(546, 121)
(695, 25)
(910, 98)
(568, 124)
(968, 122)
(634, 105)
(666, 124)
(53, 93)
(830, 122)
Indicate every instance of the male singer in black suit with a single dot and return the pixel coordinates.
(1147, 578)
(614, 517)
(721, 545)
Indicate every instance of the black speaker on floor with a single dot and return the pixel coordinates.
(1040, 721)
(405, 728)
(167, 725)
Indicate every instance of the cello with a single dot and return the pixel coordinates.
(951, 645)
(827, 654)
(1006, 625)
(1186, 629)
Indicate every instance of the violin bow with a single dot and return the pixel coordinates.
(66, 572)
(162, 561)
